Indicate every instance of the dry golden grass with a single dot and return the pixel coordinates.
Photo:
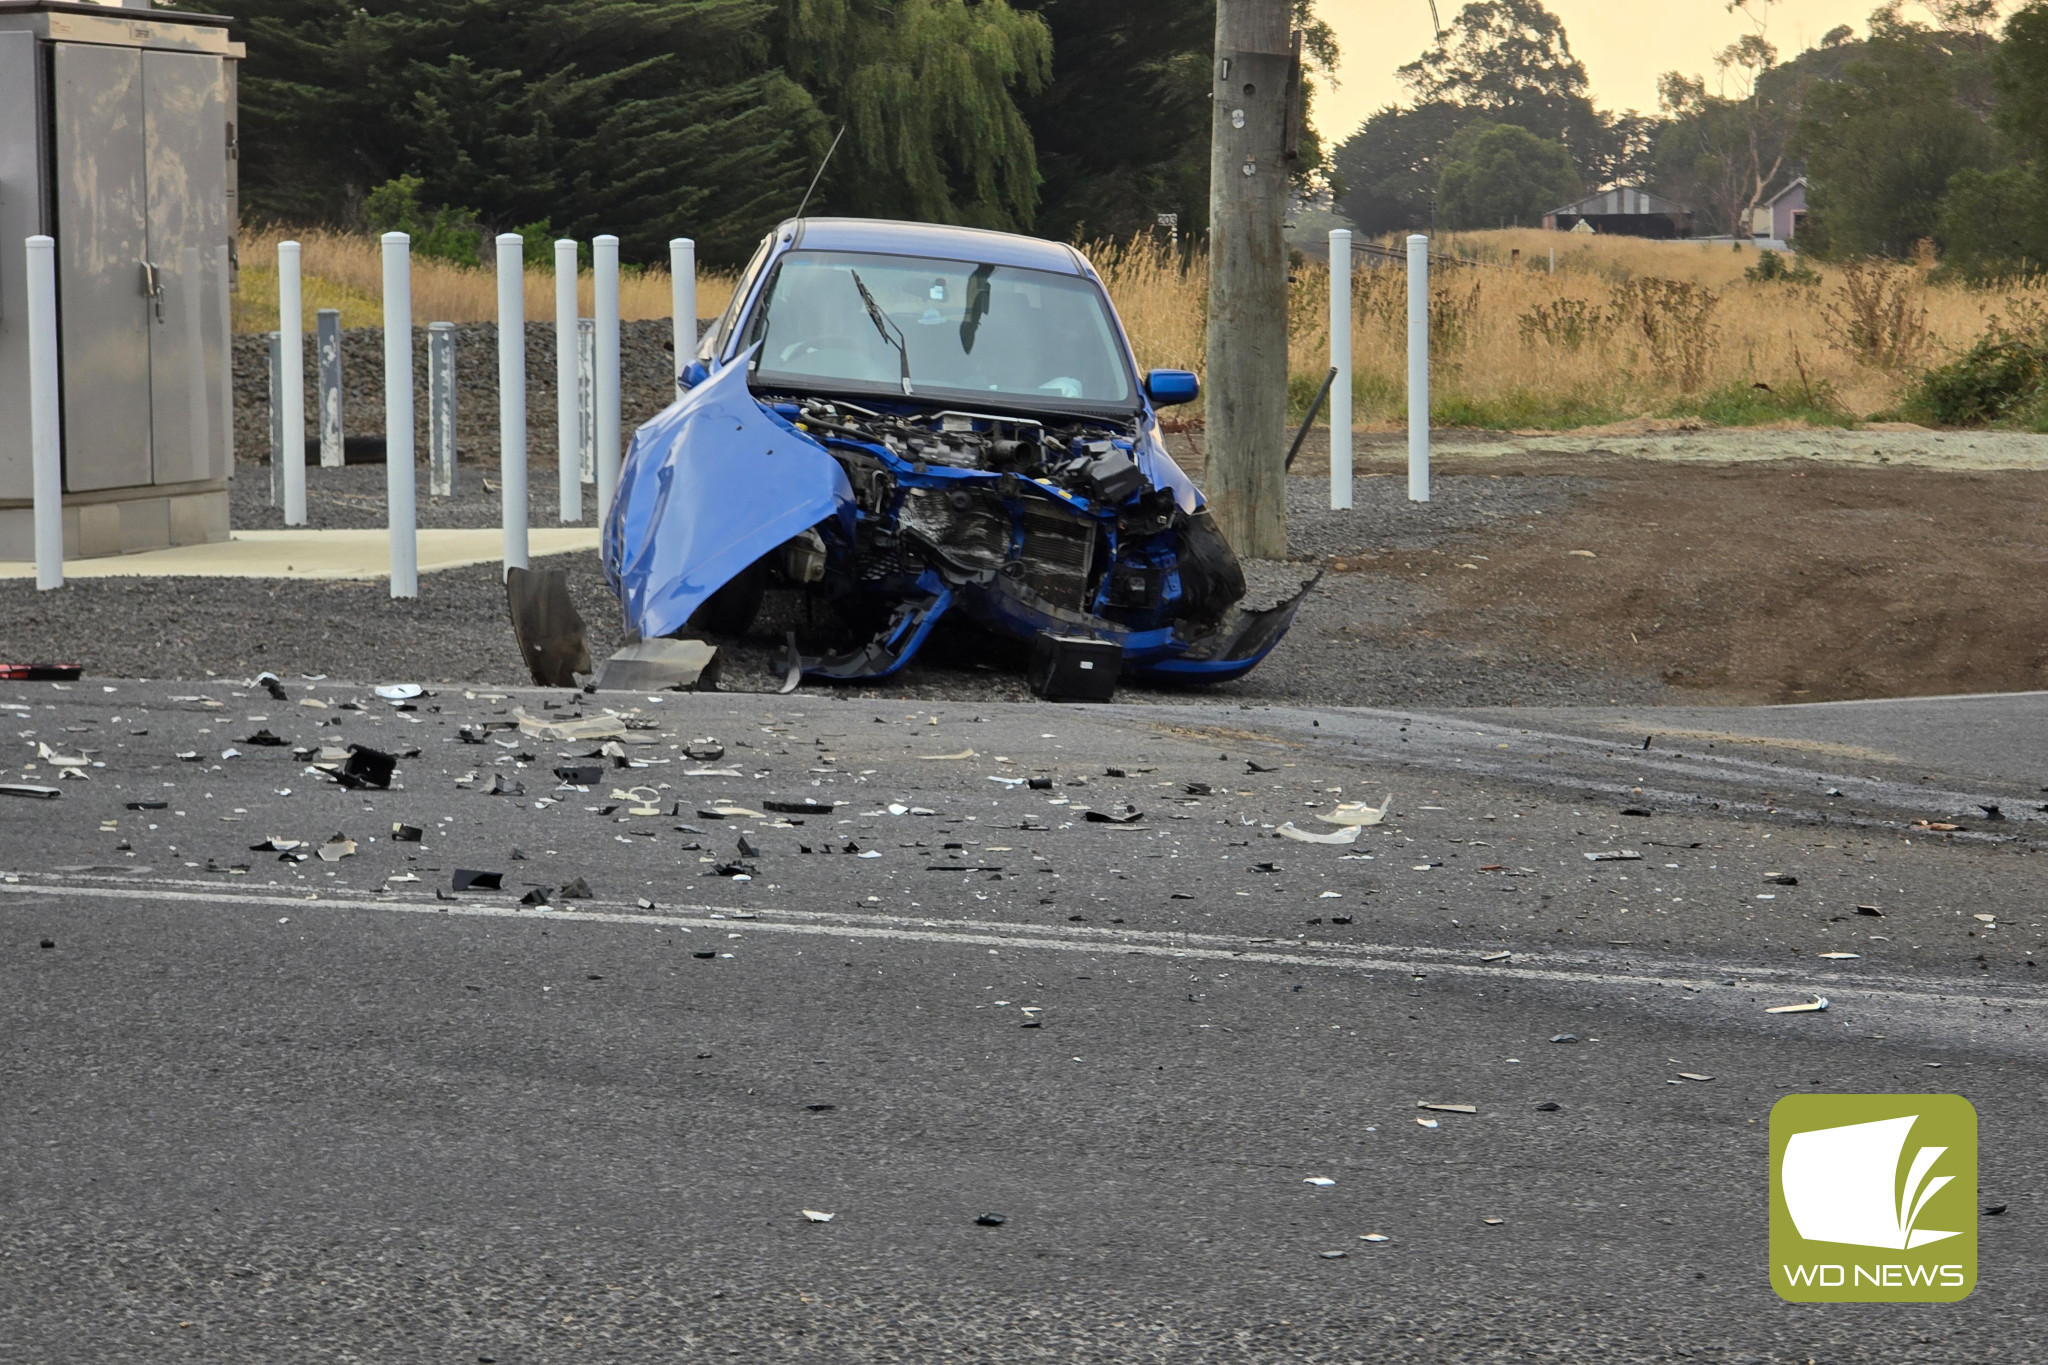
(1622, 328)
(1674, 350)
(345, 271)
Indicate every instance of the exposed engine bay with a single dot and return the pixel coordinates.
(1022, 525)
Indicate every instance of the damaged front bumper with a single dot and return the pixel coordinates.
(901, 513)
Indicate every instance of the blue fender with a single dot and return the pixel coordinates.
(710, 485)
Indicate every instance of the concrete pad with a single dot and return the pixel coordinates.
(351, 554)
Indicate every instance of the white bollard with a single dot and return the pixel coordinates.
(327, 362)
(46, 447)
(568, 421)
(291, 330)
(1418, 368)
(586, 400)
(441, 410)
(399, 495)
(682, 270)
(1340, 361)
(512, 394)
(604, 253)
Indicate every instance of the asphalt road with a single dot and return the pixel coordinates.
(261, 1109)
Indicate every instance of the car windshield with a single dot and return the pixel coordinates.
(854, 321)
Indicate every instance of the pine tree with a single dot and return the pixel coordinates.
(644, 118)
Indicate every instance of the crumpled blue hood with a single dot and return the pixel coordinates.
(680, 529)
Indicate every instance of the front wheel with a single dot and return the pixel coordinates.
(731, 610)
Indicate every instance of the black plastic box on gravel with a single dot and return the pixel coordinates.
(1073, 667)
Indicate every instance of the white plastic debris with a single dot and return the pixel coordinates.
(1813, 1006)
(1302, 836)
(817, 1217)
(1614, 855)
(1358, 814)
(400, 691)
(1318, 1180)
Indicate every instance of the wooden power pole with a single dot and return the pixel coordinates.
(1247, 390)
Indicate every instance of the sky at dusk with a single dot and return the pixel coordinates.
(1625, 44)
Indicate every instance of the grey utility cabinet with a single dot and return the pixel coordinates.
(117, 138)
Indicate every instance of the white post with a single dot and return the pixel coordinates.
(441, 411)
(512, 394)
(682, 270)
(586, 401)
(398, 416)
(605, 258)
(1418, 368)
(568, 426)
(1340, 361)
(327, 353)
(1553, 260)
(44, 413)
(291, 330)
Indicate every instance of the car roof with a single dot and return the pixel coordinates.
(889, 238)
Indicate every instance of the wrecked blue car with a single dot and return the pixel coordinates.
(909, 421)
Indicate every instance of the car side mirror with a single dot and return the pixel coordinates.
(1168, 387)
(693, 374)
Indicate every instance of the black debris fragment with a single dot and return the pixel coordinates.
(1781, 879)
(1199, 789)
(821, 1108)
(1253, 767)
(500, 787)
(705, 751)
(49, 943)
(735, 869)
(406, 834)
(537, 896)
(1548, 1107)
(1870, 910)
(747, 849)
(269, 682)
(581, 774)
(991, 1220)
(366, 767)
(1121, 815)
(1038, 784)
(265, 740)
(469, 879)
(148, 805)
(704, 955)
(1641, 811)
(1565, 1038)
(1990, 1210)
(577, 889)
(1991, 812)
(1340, 919)
(804, 807)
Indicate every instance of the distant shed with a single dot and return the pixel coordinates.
(1786, 210)
(1624, 211)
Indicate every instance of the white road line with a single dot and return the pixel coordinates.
(1214, 948)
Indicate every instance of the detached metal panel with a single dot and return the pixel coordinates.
(184, 122)
(21, 216)
(102, 265)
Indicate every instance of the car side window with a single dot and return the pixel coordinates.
(730, 318)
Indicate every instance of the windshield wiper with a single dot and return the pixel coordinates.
(883, 325)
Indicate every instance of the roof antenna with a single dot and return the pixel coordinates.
(821, 172)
